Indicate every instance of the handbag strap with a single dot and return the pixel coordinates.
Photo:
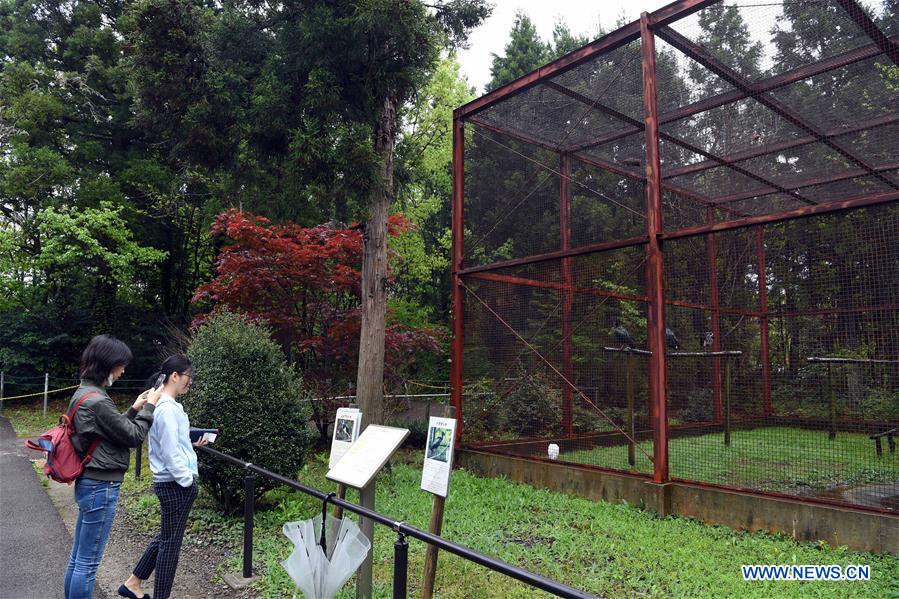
(71, 413)
(90, 450)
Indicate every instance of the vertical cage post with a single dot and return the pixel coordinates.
(712, 253)
(565, 229)
(767, 408)
(457, 238)
(654, 259)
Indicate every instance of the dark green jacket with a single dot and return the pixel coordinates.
(98, 415)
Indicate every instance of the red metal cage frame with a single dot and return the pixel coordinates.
(647, 29)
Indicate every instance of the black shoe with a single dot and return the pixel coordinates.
(126, 592)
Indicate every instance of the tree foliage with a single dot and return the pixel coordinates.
(526, 51)
(304, 283)
(243, 386)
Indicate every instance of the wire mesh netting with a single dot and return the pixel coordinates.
(778, 138)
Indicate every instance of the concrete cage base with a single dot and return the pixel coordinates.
(859, 530)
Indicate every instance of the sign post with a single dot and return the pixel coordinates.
(358, 468)
(435, 479)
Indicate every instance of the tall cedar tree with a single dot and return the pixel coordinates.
(526, 52)
(318, 88)
(379, 52)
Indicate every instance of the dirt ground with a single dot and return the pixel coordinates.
(201, 564)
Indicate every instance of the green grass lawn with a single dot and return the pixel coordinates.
(27, 416)
(613, 550)
(778, 459)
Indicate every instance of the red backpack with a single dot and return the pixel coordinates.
(64, 465)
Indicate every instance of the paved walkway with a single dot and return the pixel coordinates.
(34, 542)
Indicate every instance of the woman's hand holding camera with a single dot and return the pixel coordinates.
(150, 396)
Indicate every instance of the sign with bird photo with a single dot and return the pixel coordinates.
(438, 455)
(346, 430)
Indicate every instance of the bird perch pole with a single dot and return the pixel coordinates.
(629, 391)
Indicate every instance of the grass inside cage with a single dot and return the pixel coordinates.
(775, 459)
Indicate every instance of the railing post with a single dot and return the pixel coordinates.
(2, 381)
(400, 565)
(46, 388)
(137, 460)
(249, 507)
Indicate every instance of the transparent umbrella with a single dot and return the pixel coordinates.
(320, 563)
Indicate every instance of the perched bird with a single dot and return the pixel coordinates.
(553, 451)
(671, 339)
(622, 335)
(707, 339)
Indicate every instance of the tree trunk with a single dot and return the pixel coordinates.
(370, 375)
(103, 312)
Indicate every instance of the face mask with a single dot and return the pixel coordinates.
(109, 380)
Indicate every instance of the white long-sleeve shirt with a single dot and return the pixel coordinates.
(172, 457)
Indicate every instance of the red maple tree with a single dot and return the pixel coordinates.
(305, 283)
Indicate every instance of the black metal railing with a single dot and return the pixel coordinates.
(400, 547)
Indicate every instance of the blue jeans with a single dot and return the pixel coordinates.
(96, 509)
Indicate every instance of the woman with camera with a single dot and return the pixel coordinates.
(108, 436)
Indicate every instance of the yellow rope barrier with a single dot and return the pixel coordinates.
(442, 387)
(49, 391)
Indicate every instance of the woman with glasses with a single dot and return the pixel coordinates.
(174, 465)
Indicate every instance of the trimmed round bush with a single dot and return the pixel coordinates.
(244, 386)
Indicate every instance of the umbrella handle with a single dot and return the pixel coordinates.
(325, 501)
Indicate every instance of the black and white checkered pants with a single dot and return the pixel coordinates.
(163, 551)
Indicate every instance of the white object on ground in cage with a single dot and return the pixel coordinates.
(553, 451)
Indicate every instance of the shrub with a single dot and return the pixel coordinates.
(880, 404)
(418, 432)
(243, 385)
(534, 406)
(482, 413)
(699, 407)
